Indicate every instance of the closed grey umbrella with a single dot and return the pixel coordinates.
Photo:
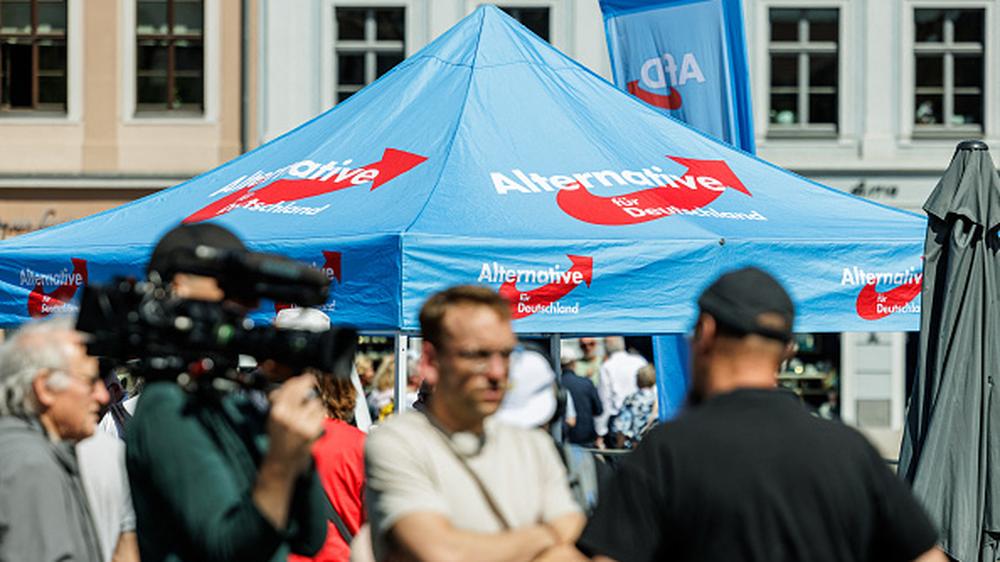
(951, 442)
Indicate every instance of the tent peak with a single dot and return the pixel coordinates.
(490, 37)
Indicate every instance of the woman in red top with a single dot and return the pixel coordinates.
(340, 462)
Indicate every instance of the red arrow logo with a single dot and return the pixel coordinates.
(526, 303)
(331, 267)
(393, 163)
(673, 101)
(703, 183)
(42, 304)
(873, 305)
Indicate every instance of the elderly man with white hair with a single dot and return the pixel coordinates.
(51, 395)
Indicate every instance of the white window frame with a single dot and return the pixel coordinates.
(522, 6)
(212, 68)
(74, 75)
(804, 50)
(909, 131)
(848, 123)
(416, 22)
(370, 46)
(560, 18)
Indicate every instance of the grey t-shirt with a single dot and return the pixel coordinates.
(409, 468)
(102, 469)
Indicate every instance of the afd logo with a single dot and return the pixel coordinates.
(898, 291)
(331, 267)
(663, 74)
(52, 292)
(665, 194)
(307, 179)
(555, 284)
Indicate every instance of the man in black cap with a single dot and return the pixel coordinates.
(745, 472)
(213, 477)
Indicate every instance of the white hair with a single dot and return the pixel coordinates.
(614, 343)
(309, 319)
(29, 351)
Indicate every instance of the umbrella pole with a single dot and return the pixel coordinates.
(399, 394)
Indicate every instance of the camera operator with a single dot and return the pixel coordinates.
(213, 477)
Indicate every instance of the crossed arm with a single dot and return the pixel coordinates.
(430, 536)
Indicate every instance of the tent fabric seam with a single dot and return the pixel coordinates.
(454, 134)
(474, 66)
(437, 182)
(389, 235)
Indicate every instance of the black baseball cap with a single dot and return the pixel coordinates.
(740, 299)
(173, 249)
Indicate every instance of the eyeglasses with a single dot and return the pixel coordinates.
(480, 358)
(89, 381)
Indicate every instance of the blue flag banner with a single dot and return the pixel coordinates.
(688, 58)
(672, 357)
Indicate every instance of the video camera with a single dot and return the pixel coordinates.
(160, 335)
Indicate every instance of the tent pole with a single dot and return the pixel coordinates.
(555, 348)
(399, 394)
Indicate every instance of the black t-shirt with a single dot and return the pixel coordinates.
(750, 475)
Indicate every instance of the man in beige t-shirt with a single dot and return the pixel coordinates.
(452, 483)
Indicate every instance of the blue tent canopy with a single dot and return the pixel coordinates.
(490, 157)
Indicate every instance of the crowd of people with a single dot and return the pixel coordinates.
(612, 415)
(486, 466)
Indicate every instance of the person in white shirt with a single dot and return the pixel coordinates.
(617, 380)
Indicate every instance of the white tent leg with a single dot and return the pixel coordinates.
(399, 394)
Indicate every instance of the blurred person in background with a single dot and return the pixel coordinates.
(366, 371)
(424, 396)
(534, 400)
(105, 480)
(589, 363)
(830, 409)
(413, 381)
(119, 412)
(530, 399)
(339, 452)
(51, 395)
(639, 411)
(586, 402)
(380, 400)
(617, 382)
(453, 483)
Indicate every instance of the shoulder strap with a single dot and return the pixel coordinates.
(504, 524)
(121, 417)
(338, 522)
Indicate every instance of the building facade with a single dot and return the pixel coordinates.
(105, 101)
(871, 97)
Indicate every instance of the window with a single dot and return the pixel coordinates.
(170, 60)
(370, 42)
(535, 19)
(32, 55)
(804, 70)
(948, 71)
